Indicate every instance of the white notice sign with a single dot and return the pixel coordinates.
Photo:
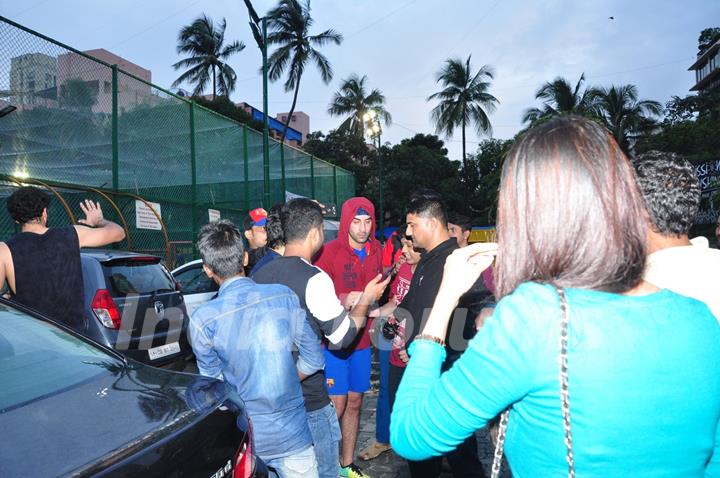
(144, 216)
(213, 215)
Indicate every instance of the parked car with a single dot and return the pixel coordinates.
(72, 407)
(196, 287)
(133, 305)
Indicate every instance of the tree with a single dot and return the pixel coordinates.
(619, 109)
(289, 23)
(78, 95)
(560, 98)
(417, 162)
(204, 42)
(353, 99)
(464, 99)
(707, 38)
(482, 178)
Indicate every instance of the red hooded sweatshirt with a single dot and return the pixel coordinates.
(342, 264)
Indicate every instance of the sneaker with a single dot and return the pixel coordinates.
(352, 471)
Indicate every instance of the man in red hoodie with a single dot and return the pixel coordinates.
(352, 260)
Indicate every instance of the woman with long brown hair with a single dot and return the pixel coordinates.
(601, 372)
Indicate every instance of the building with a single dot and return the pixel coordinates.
(707, 68)
(98, 78)
(276, 126)
(74, 81)
(33, 80)
(300, 121)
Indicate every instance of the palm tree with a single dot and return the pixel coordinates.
(289, 24)
(464, 99)
(620, 111)
(353, 99)
(561, 98)
(203, 41)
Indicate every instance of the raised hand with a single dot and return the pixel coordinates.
(93, 213)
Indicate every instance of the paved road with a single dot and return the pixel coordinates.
(388, 464)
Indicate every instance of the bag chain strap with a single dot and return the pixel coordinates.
(500, 445)
(564, 400)
(564, 390)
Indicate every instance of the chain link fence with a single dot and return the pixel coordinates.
(92, 125)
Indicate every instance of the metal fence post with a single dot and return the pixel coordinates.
(312, 177)
(247, 168)
(335, 184)
(193, 170)
(115, 149)
(282, 167)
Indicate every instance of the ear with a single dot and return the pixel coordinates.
(247, 234)
(246, 258)
(208, 271)
(466, 235)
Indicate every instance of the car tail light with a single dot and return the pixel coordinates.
(245, 456)
(105, 309)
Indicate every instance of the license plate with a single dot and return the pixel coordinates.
(164, 350)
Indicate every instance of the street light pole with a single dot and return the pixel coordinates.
(374, 131)
(380, 183)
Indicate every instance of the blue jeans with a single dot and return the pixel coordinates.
(302, 464)
(382, 414)
(325, 431)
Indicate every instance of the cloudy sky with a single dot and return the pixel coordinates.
(400, 45)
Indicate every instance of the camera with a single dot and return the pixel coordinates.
(390, 329)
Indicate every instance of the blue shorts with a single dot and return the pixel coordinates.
(347, 372)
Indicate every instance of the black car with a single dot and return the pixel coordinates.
(133, 305)
(70, 407)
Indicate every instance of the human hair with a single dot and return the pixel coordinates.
(428, 204)
(401, 230)
(570, 212)
(27, 203)
(671, 191)
(274, 227)
(299, 217)
(462, 221)
(221, 248)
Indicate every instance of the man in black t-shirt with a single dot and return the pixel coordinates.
(333, 323)
(428, 225)
(41, 264)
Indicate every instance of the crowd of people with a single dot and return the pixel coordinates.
(587, 338)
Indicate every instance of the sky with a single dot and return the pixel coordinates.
(401, 44)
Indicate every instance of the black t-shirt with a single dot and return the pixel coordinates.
(48, 274)
(295, 273)
(420, 298)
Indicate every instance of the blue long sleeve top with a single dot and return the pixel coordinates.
(246, 336)
(644, 381)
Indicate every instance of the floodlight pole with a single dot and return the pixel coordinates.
(266, 129)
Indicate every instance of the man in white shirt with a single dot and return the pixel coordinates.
(672, 198)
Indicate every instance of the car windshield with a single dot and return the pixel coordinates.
(136, 277)
(39, 359)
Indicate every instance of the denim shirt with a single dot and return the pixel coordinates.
(246, 337)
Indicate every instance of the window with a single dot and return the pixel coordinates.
(39, 359)
(125, 278)
(195, 281)
(106, 87)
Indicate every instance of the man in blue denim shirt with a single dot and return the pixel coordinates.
(246, 336)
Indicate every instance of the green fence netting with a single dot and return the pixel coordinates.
(84, 127)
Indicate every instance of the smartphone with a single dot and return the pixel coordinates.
(387, 274)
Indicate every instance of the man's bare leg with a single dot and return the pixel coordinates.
(350, 423)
